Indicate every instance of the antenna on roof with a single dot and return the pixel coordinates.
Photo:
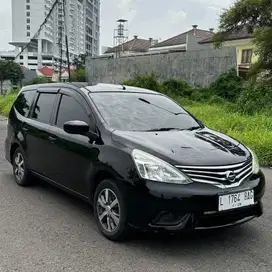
(124, 87)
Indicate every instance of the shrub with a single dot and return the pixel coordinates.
(202, 94)
(228, 85)
(256, 97)
(176, 87)
(40, 80)
(215, 99)
(144, 81)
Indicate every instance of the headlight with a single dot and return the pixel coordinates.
(153, 168)
(255, 162)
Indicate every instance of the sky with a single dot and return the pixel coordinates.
(158, 19)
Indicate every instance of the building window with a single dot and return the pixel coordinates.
(27, 1)
(28, 21)
(28, 13)
(28, 34)
(28, 7)
(21, 57)
(28, 27)
(247, 56)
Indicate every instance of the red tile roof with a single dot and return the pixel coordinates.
(47, 71)
(135, 45)
(181, 38)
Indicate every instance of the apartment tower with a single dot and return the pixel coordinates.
(82, 24)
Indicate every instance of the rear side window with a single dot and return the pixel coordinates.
(24, 101)
(70, 110)
(44, 107)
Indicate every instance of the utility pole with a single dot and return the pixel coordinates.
(66, 40)
(60, 31)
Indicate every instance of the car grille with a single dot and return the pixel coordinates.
(218, 175)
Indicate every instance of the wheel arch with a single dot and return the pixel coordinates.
(14, 146)
(97, 178)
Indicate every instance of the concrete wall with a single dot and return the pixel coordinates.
(198, 68)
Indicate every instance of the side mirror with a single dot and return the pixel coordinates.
(80, 128)
(76, 127)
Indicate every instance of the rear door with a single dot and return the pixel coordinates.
(37, 129)
(18, 123)
(70, 155)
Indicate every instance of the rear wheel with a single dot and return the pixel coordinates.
(22, 175)
(110, 211)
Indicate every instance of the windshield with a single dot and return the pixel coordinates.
(141, 112)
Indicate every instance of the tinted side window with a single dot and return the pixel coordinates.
(24, 101)
(70, 110)
(44, 107)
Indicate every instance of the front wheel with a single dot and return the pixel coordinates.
(110, 211)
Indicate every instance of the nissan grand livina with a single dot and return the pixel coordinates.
(140, 159)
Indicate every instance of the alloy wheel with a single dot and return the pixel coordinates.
(108, 210)
(19, 166)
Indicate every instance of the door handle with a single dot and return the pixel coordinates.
(52, 139)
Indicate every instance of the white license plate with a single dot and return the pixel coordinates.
(236, 200)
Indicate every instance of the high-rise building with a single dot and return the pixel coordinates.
(82, 25)
(92, 26)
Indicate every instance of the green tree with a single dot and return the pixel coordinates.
(80, 61)
(10, 70)
(255, 15)
(79, 75)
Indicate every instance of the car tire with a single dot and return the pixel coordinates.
(110, 211)
(22, 175)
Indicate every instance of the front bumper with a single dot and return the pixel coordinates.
(171, 207)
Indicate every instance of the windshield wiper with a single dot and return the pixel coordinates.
(162, 129)
(193, 128)
(147, 102)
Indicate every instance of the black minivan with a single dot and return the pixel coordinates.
(139, 158)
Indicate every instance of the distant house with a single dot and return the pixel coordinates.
(187, 41)
(134, 46)
(242, 40)
(54, 76)
(46, 72)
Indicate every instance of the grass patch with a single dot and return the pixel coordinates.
(6, 103)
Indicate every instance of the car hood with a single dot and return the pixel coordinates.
(199, 147)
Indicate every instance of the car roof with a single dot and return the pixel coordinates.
(56, 85)
(86, 88)
(105, 87)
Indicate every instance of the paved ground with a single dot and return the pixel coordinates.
(43, 229)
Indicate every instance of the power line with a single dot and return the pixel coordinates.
(39, 30)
